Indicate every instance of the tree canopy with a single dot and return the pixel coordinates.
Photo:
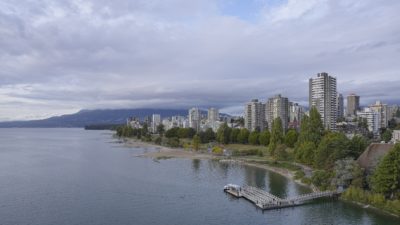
(291, 138)
(386, 178)
(276, 134)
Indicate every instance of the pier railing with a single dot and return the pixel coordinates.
(266, 200)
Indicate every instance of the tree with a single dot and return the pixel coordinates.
(392, 124)
(158, 141)
(344, 172)
(280, 152)
(311, 128)
(190, 132)
(182, 132)
(223, 134)
(160, 129)
(173, 142)
(321, 179)
(291, 138)
(357, 146)
(386, 178)
(362, 123)
(276, 134)
(145, 130)
(196, 142)
(304, 153)
(387, 135)
(173, 132)
(209, 135)
(253, 138)
(333, 146)
(234, 135)
(243, 136)
(264, 138)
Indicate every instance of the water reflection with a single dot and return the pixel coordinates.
(255, 176)
(222, 169)
(277, 185)
(196, 163)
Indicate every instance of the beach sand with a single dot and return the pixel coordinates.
(162, 152)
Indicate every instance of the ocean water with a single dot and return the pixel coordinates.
(73, 176)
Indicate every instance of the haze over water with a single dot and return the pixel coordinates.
(73, 176)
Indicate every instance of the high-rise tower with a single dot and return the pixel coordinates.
(323, 96)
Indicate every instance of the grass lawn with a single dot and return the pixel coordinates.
(241, 147)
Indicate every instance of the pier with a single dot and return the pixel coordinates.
(265, 200)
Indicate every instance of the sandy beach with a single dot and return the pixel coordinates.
(162, 152)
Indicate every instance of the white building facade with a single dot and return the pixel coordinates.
(254, 115)
(277, 106)
(323, 96)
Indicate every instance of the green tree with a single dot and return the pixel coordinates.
(223, 134)
(209, 135)
(333, 146)
(304, 153)
(253, 138)
(276, 135)
(243, 136)
(386, 178)
(358, 144)
(387, 135)
(173, 142)
(264, 138)
(158, 141)
(392, 124)
(183, 132)
(321, 179)
(362, 123)
(311, 128)
(281, 153)
(196, 142)
(160, 129)
(234, 135)
(145, 129)
(190, 132)
(173, 132)
(291, 138)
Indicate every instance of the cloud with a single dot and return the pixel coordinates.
(60, 56)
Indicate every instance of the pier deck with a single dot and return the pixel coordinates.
(266, 200)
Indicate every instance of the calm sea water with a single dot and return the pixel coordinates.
(73, 176)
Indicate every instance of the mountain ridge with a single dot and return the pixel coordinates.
(89, 117)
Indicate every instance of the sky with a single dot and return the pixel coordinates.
(58, 57)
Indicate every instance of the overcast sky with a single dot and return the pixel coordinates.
(58, 57)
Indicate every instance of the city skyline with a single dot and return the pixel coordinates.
(59, 57)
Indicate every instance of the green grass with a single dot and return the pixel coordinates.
(241, 147)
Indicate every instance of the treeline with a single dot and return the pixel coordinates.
(140, 133)
(102, 126)
(319, 148)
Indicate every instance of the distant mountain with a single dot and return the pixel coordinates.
(90, 117)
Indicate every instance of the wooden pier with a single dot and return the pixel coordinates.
(266, 200)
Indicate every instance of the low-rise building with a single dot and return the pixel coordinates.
(396, 136)
(373, 120)
(134, 122)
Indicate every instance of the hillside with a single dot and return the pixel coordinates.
(89, 117)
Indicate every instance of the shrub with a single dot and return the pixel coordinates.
(173, 142)
(306, 180)
(299, 174)
(158, 140)
(246, 152)
(217, 150)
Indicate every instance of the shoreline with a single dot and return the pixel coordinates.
(164, 152)
(370, 207)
